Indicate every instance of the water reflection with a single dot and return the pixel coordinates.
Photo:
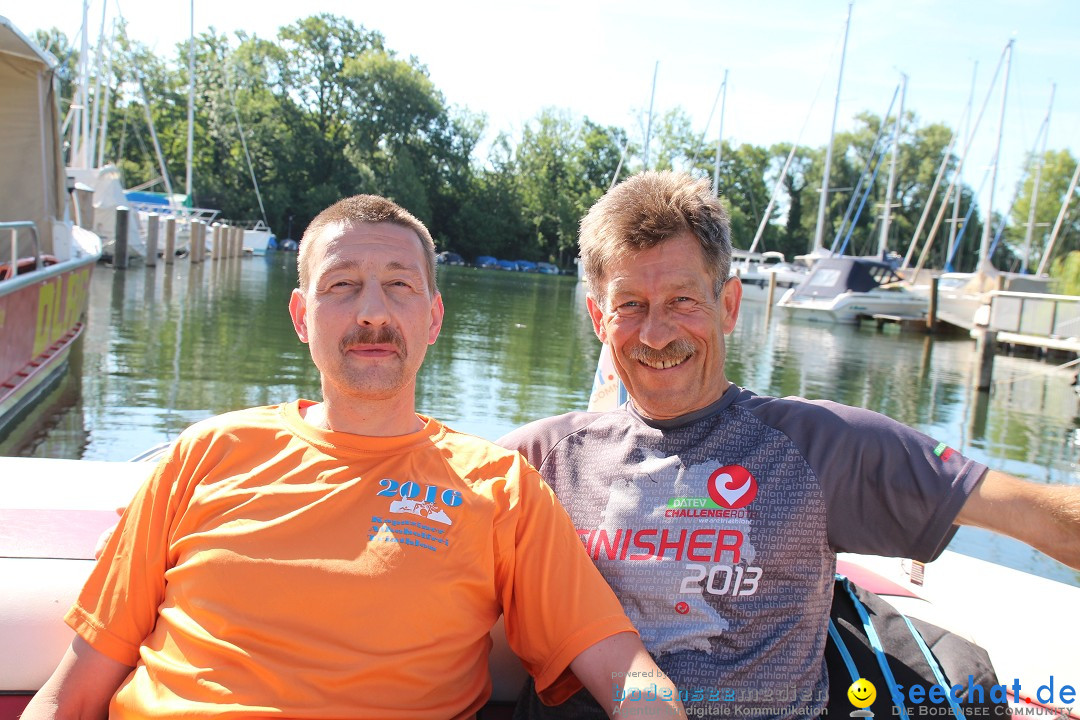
(514, 347)
(171, 345)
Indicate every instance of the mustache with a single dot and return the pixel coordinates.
(374, 336)
(674, 351)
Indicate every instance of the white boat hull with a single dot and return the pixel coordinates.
(756, 285)
(848, 307)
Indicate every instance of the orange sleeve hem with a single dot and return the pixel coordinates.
(97, 637)
(555, 683)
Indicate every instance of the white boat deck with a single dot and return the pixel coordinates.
(1027, 624)
(52, 512)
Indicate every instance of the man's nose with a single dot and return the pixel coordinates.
(656, 329)
(372, 307)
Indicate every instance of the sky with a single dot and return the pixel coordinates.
(597, 58)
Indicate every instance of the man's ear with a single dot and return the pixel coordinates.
(298, 311)
(597, 316)
(731, 299)
(437, 313)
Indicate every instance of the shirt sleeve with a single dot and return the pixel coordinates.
(555, 602)
(536, 439)
(118, 606)
(890, 490)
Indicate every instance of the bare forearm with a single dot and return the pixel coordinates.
(621, 675)
(646, 687)
(80, 688)
(1047, 517)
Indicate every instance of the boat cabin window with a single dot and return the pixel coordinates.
(883, 275)
(824, 277)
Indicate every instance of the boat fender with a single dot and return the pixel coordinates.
(904, 658)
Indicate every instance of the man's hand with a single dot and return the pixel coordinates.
(621, 675)
(1047, 517)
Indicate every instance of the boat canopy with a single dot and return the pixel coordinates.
(833, 276)
(31, 157)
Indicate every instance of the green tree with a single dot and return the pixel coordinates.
(1065, 269)
(552, 182)
(1057, 170)
(56, 42)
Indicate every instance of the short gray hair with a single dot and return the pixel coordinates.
(644, 211)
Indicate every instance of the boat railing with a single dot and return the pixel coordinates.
(15, 227)
(1036, 314)
(182, 213)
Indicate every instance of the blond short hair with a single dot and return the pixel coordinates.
(365, 209)
(644, 211)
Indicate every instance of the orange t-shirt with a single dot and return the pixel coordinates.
(268, 567)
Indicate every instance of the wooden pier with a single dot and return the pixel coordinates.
(905, 322)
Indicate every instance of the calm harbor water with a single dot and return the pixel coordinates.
(168, 346)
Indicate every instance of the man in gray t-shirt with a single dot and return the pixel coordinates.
(715, 514)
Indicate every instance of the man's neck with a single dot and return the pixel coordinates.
(666, 415)
(363, 418)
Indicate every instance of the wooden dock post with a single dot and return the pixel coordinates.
(931, 315)
(120, 239)
(170, 240)
(771, 297)
(985, 346)
(197, 241)
(151, 239)
(215, 248)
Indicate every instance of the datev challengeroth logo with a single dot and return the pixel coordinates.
(732, 486)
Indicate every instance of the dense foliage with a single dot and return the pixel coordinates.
(327, 110)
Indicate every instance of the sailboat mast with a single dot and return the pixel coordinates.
(105, 101)
(98, 105)
(883, 242)
(719, 143)
(648, 127)
(191, 100)
(80, 128)
(955, 226)
(984, 246)
(1045, 130)
(819, 230)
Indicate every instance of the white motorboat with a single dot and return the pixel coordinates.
(755, 270)
(844, 289)
(258, 239)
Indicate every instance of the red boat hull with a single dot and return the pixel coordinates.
(41, 315)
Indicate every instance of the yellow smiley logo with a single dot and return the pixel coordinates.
(862, 693)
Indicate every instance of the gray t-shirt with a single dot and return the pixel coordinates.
(718, 531)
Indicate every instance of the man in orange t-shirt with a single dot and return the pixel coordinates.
(344, 558)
